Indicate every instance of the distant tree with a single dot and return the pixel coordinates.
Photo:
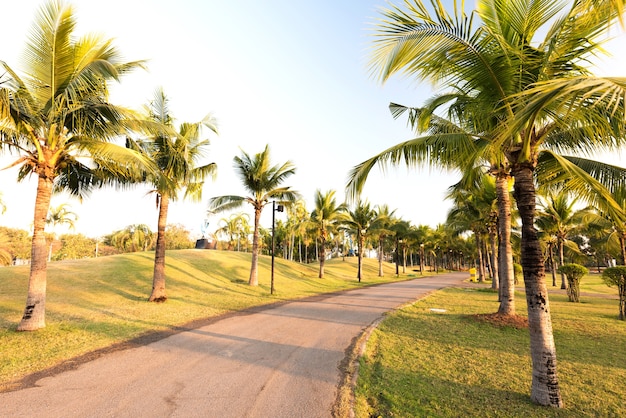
(559, 217)
(133, 238)
(16, 242)
(380, 227)
(60, 215)
(6, 258)
(56, 117)
(616, 276)
(326, 217)
(75, 246)
(234, 228)
(177, 237)
(263, 181)
(358, 222)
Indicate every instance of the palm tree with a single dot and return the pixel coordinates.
(60, 215)
(401, 230)
(54, 116)
(235, 227)
(262, 180)
(297, 220)
(133, 238)
(472, 213)
(380, 227)
(559, 217)
(176, 154)
(358, 223)
(326, 217)
(523, 97)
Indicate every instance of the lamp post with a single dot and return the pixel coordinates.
(275, 209)
(422, 259)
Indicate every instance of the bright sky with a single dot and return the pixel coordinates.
(288, 73)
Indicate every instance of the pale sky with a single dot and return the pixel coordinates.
(288, 73)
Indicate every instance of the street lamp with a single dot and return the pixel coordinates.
(275, 209)
(422, 259)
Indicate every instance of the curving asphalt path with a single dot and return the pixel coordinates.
(282, 361)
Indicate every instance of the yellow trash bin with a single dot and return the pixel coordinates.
(472, 272)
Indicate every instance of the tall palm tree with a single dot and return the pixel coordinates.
(326, 217)
(60, 215)
(358, 222)
(176, 153)
(297, 220)
(524, 94)
(401, 229)
(263, 181)
(380, 227)
(54, 116)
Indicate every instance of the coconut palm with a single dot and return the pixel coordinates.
(475, 210)
(235, 227)
(297, 219)
(263, 181)
(176, 154)
(358, 222)
(559, 217)
(524, 94)
(60, 215)
(137, 237)
(380, 227)
(55, 116)
(326, 218)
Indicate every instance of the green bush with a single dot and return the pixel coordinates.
(616, 276)
(573, 273)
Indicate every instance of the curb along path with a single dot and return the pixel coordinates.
(283, 361)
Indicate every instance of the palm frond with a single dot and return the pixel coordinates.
(224, 203)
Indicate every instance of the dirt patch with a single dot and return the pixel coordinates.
(498, 320)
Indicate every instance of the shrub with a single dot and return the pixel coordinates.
(573, 273)
(616, 276)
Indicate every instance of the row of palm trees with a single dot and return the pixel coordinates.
(519, 94)
(56, 116)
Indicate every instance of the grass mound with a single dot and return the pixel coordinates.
(97, 303)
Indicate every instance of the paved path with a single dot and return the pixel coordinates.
(277, 362)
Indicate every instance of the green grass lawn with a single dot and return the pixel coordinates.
(95, 303)
(419, 363)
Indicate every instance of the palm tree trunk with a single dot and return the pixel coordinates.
(481, 263)
(360, 258)
(561, 262)
(622, 242)
(488, 257)
(158, 278)
(552, 265)
(545, 386)
(505, 252)
(493, 238)
(254, 279)
(380, 257)
(403, 259)
(35, 311)
(322, 256)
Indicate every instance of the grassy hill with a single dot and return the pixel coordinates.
(96, 303)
